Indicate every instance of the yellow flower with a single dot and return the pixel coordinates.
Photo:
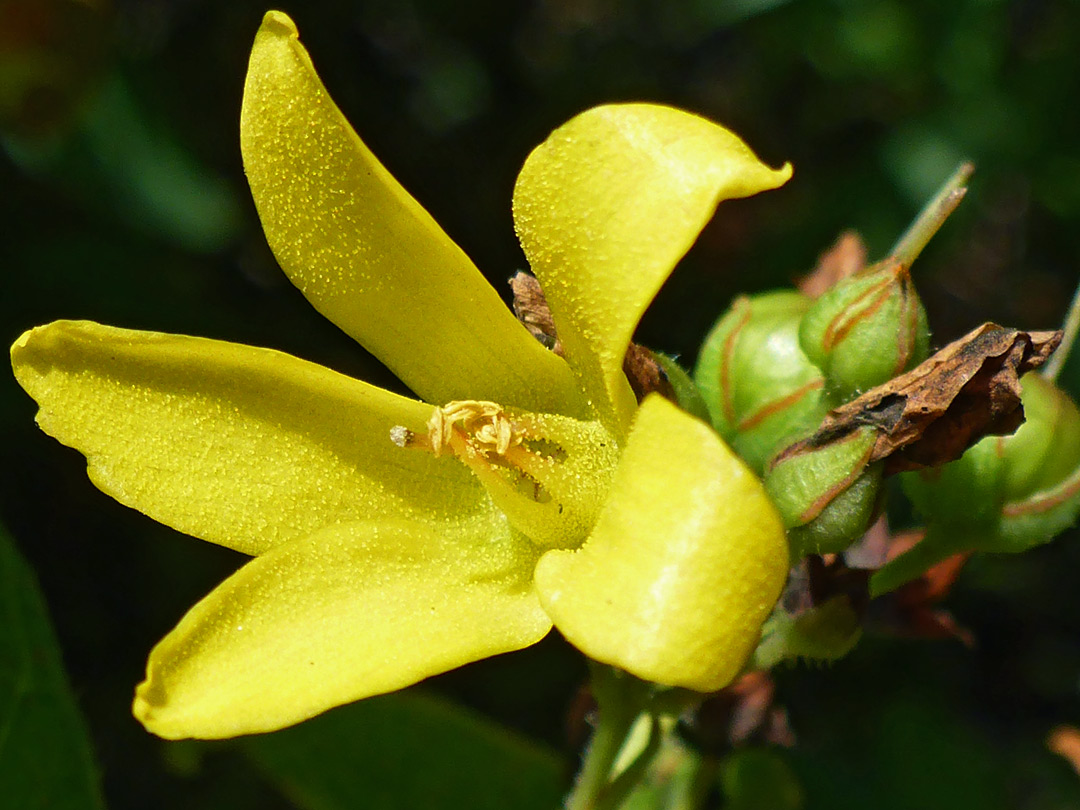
(537, 491)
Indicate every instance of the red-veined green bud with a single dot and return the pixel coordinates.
(827, 496)
(1018, 491)
(762, 392)
(843, 520)
(865, 330)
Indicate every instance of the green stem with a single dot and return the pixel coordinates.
(620, 699)
(934, 213)
(1072, 324)
(611, 798)
(692, 786)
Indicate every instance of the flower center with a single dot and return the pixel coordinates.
(549, 474)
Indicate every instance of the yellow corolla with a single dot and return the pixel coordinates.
(393, 540)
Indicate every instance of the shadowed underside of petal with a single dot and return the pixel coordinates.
(353, 611)
(606, 206)
(683, 566)
(244, 447)
(368, 256)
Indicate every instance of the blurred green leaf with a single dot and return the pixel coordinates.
(407, 750)
(760, 779)
(45, 759)
(116, 158)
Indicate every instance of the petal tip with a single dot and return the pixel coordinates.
(22, 342)
(146, 707)
(279, 24)
(34, 341)
(783, 174)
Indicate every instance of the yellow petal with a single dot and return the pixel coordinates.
(367, 255)
(685, 563)
(606, 206)
(352, 611)
(240, 446)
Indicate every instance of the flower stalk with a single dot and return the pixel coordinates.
(1071, 326)
(932, 216)
(621, 699)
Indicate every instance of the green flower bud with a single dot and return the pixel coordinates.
(843, 520)
(865, 330)
(1009, 493)
(761, 390)
(827, 496)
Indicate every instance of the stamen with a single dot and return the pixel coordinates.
(484, 424)
(498, 448)
(547, 473)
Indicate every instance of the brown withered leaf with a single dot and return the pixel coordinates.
(1065, 742)
(911, 610)
(639, 365)
(531, 308)
(645, 374)
(845, 258)
(743, 712)
(933, 413)
(825, 577)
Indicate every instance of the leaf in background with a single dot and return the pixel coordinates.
(114, 158)
(404, 751)
(760, 779)
(45, 759)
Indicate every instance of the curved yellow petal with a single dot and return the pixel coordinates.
(606, 206)
(368, 256)
(683, 566)
(244, 447)
(350, 612)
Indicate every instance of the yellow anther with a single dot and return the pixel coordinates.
(547, 473)
(485, 426)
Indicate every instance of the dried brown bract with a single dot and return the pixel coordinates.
(933, 413)
(845, 258)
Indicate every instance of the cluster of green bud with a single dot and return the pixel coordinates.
(1005, 494)
(775, 364)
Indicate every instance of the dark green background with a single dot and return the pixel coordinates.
(123, 200)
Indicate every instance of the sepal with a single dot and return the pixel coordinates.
(826, 632)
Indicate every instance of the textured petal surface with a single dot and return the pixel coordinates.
(368, 256)
(352, 611)
(683, 566)
(606, 206)
(240, 446)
